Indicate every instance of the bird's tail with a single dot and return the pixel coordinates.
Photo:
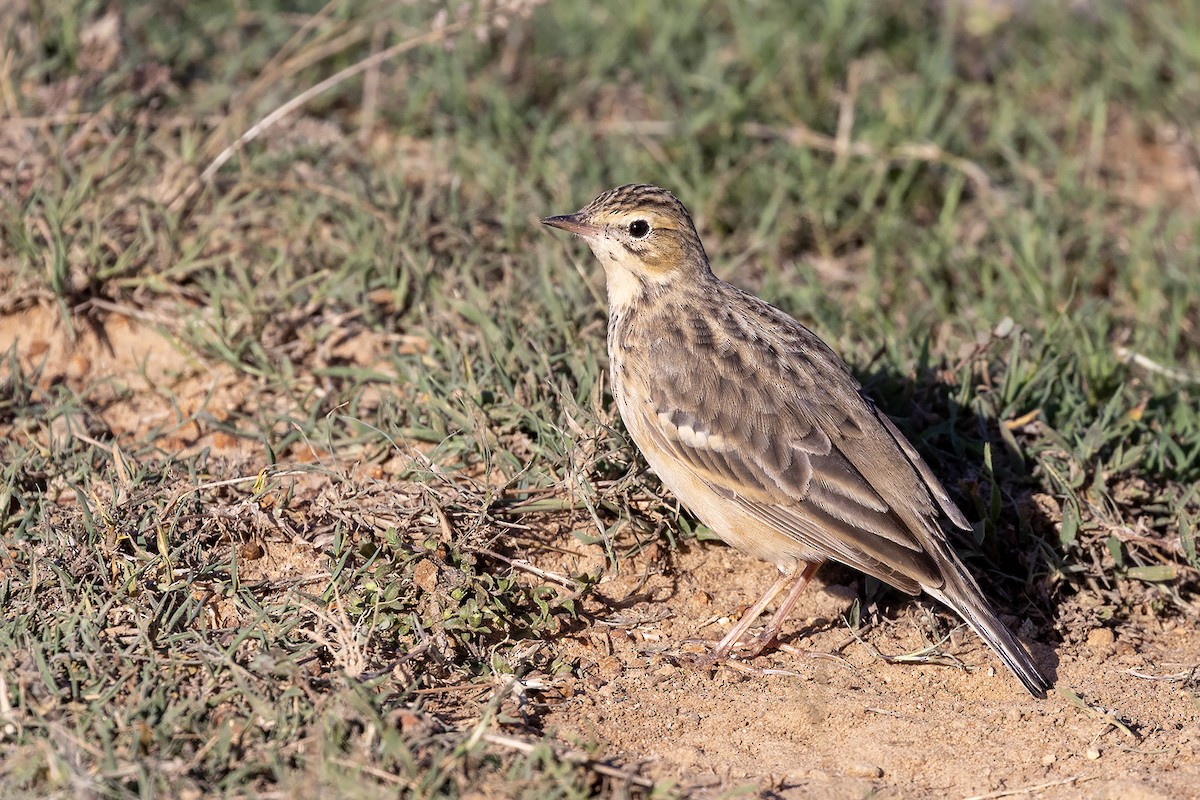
(962, 594)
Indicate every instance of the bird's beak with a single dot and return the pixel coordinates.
(572, 223)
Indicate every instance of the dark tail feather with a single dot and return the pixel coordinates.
(970, 604)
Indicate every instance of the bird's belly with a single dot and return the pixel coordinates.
(724, 516)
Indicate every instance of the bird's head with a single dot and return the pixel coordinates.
(642, 235)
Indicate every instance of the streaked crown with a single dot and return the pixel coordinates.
(640, 198)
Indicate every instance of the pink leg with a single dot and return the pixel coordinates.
(798, 582)
(767, 637)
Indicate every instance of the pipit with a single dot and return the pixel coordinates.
(759, 428)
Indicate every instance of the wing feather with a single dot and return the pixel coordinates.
(812, 458)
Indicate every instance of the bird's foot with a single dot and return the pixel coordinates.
(717, 652)
(711, 658)
(756, 645)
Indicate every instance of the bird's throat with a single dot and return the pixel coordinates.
(625, 288)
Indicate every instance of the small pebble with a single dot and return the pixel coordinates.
(425, 575)
(864, 770)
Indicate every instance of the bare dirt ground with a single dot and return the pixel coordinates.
(833, 720)
(848, 724)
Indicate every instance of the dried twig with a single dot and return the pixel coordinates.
(571, 757)
(800, 135)
(1028, 789)
(1108, 717)
(253, 132)
(525, 566)
(1187, 676)
(1178, 375)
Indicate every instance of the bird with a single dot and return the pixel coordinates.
(759, 428)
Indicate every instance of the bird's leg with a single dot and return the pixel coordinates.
(799, 584)
(726, 645)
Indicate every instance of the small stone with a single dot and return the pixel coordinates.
(1092, 753)
(425, 574)
(223, 441)
(1049, 759)
(79, 367)
(862, 769)
(1101, 638)
(686, 756)
(609, 667)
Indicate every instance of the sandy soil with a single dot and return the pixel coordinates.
(848, 724)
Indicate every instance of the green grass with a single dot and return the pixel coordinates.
(998, 170)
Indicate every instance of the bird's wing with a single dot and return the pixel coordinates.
(801, 449)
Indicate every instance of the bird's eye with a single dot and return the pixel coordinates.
(639, 229)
